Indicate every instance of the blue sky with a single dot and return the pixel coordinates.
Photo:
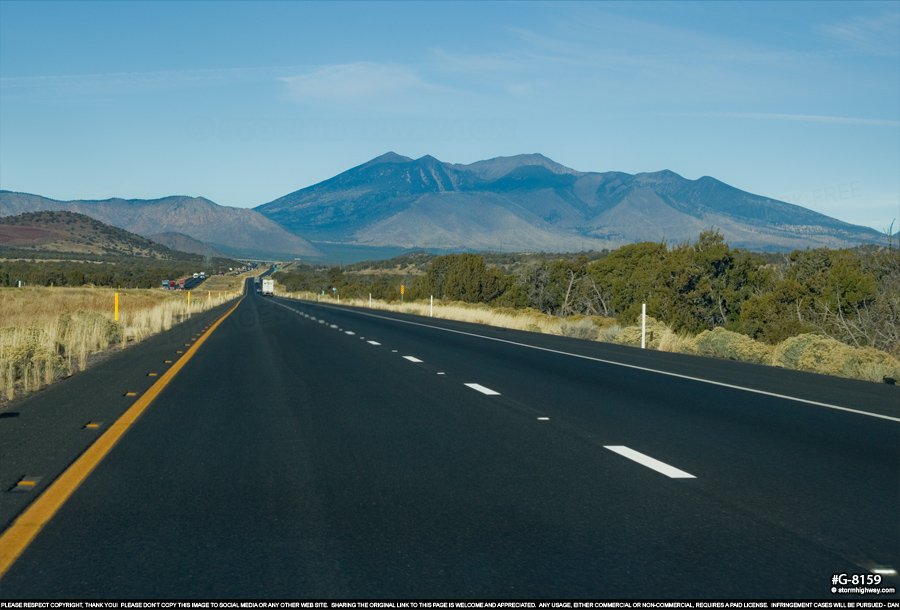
(245, 102)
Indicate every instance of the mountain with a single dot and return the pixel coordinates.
(530, 202)
(71, 233)
(233, 231)
(184, 243)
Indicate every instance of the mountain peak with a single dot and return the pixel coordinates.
(389, 157)
(663, 175)
(492, 169)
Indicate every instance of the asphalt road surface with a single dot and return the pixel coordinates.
(309, 451)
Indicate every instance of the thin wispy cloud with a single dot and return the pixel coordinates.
(802, 118)
(874, 34)
(478, 64)
(110, 83)
(345, 82)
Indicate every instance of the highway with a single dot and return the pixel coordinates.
(312, 451)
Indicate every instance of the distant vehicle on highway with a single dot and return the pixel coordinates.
(165, 284)
(196, 275)
(203, 275)
(268, 287)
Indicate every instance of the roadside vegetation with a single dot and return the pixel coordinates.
(49, 333)
(835, 312)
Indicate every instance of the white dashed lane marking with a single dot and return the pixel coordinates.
(649, 462)
(480, 388)
(373, 342)
(412, 358)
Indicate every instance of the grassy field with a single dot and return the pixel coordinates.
(49, 333)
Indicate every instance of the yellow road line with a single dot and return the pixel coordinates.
(28, 525)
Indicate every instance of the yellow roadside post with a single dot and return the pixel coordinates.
(116, 308)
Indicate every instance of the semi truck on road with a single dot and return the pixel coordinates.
(268, 287)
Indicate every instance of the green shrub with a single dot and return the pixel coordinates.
(722, 343)
(631, 335)
(822, 354)
(579, 329)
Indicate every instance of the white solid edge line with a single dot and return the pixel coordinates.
(480, 388)
(649, 462)
(412, 358)
(630, 366)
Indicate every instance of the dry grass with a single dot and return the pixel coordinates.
(656, 331)
(48, 333)
(679, 343)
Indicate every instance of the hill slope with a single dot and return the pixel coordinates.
(184, 243)
(69, 232)
(233, 231)
(529, 202)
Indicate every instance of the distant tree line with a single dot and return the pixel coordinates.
(124, 272)
(851, 295)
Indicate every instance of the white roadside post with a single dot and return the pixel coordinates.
(643, 325)
(370, 300)
(431, 307)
